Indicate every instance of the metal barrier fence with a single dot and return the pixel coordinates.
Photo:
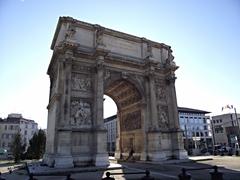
(215, 175)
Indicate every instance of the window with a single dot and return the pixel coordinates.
(206, 133)
(32, 126)
(205, 127)
(204, 121)
(11, 127)
(5, 127)
(197, 134)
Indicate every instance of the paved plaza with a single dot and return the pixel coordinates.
(229, 166)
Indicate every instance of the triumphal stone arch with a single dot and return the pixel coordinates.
(89, 61)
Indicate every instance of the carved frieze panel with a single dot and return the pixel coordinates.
(80, 82)
(163, 119)
(131, 121)
(80, 114)
(161, 91)
(80, 68)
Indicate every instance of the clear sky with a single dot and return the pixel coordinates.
(204, 36)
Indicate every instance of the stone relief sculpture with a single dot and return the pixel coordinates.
(70, 32)
(161, 94)
(131, 121)
(149, 50)
(99, 35)
(107, 75)
(80, 83)
(80, 113)
(163, 121)
(170, 60)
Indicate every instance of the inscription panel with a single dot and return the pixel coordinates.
(121, 46)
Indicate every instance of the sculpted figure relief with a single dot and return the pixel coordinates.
(80, 113)
(131, 121)
(70, 32)
(161, 94)
(99, 35)
(149, 50)
(163, 121)
(80, 83)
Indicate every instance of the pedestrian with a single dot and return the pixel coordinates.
(108, 177)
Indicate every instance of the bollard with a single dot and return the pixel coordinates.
(69, 177)
(1, 178)
(147, 176)
(108, 177)
(215, 175)
(184, 175)
(31, 177)
(236, 153)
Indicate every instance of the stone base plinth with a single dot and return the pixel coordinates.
(117, 155)
(101, 159)
(157, 156)
(82, 160)
(48, 159)
(63, 162)
(180, 154)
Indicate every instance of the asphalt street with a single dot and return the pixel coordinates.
(228, 165)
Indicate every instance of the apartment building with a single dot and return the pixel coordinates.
(13, 124)
(226, 129)
(110, 124)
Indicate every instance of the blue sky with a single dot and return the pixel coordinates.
(204, 36)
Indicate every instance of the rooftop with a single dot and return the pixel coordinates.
(189, 110)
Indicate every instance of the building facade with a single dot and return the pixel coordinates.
(226, 129)
(197, 128)
(13, 124)
(110, 124)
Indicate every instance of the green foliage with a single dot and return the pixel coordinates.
(36, 147)
(17, 147)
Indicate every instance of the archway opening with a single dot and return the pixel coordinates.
(128, 119)
(110, 123)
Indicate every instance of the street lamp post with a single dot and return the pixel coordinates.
(237, 144)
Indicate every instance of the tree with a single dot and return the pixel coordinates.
(17, 147)
(36, 147)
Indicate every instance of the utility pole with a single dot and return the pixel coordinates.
(238, 136)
